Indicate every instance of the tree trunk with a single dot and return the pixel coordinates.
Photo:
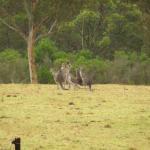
(31, 56)
(82, 34)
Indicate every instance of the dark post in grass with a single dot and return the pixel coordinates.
(17, 143)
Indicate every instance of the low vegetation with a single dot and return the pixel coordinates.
(125, 67)
(111, 117)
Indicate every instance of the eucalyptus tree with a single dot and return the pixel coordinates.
(36, 19)
(144, 5)
(104, 26)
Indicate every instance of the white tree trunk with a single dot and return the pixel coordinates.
(31, 56)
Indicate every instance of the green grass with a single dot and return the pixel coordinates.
(111, 117)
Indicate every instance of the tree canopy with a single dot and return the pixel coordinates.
(68, 29)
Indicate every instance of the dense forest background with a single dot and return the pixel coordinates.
(110, 39)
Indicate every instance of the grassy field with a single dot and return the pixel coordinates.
(111, 117)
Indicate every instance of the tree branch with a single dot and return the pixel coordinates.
(14, 29)
(37, 28)
(34, 3)
(29, 14)
(48, 33)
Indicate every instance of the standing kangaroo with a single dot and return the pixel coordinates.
(59, 77)
(83, 79)
(68, 75)
(63, 76)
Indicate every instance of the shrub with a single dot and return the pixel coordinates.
(13, 68)
(9, 55)
(119, 68)
(44, 75)
(87, 54)
(45, 49)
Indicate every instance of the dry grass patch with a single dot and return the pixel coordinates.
(111, 117)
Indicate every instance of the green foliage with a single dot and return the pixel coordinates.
(130, 68)
(86, 16)
(95, 68)
(120, 55)
(126, 67)
(105, 42)
(108, 38)
(61, 55)
(44, 75)
(13, 67)
(45, 48)
(87, 54)
(9, 55)
(58, 62)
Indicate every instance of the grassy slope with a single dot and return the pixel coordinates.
(112, 117)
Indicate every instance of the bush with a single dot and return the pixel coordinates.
(96, 68)
(119, 68)
(127, 67)
(130, 68)
(87, 54)
(45, 50)
(44, 75)
(13, 68)
(9, 55)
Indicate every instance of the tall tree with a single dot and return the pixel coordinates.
(35, 19)
(145, 8)
(104, 26)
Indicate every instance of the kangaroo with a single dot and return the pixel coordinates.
(83, 79)
(59, 77)
(63, 76)
(68, 75)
